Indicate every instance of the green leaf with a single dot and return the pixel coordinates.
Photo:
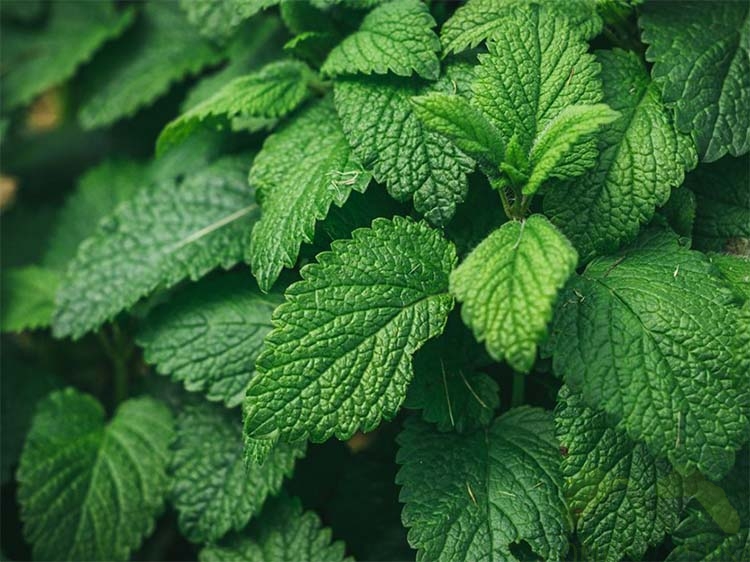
(479, 20)
(219, 20)
(36, 60)
(395, 37)
(651, 337)
(623, 499)
(210, 334)
(736, 271)
(28, 298)
(641, 158)
(384, 131)
(90, 490)
(299, 173)
(283, 533)
(97, 194)
(213, 490)
(508, 285)
(537, 81)
(271, 92)
(723, 203)
(470, 497)
(169, 231)
(339, 357)
(701, 56)
(453, 117)
(679, 212)
(162, 48)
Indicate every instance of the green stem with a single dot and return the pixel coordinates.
(519, 390)
(118, 349)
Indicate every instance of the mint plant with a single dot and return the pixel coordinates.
(380, 280)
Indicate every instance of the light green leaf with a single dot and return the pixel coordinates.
(213, 490)
(219, 20)
(479, 20)
(299, 173)
(650, 336)
(641, 158)
(508, 285)
(536, 81)
(271, 92)
(453, 117)
(339, 357)
(36, 60)
(384, 131)
(722, 203)
(162, 48)
(395, 37)
(90, 490)
(622, 497)
(701, 56)
(99, 191)
(736, 271)
(470, 497)
(28, 298)
(209, 335)
(283, 533)
(168, 232)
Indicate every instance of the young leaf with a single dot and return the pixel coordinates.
(470, 497)
(161, 49)
(271, 92)
(622, 497)
(479, 20)
(395, 37)
(701, 56)
(90, 490)
(641, 157)
(650, 336)
(34, 61)
(536, 80)
(169, 231)
(283, 533)
(339, 357)
(300, 171)
(508, 285)
(722, 203)
(453, 117)
(213, 489)
(28, 298)
(384, 131)
(219, 20)
(210, 334)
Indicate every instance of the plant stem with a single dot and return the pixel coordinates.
(519, 390)
(118, 350)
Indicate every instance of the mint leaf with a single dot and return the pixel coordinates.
(722, 203)
(623, 499)
(384, 131)
(395, 37)
(90, 490)
(479, 20)
(339, 357)
(283, 533)
(36, 60)
(169, 231)
(701, 56)
(219, 20)
(209, 335)
(28, 298)
(735, 270)
(470, 497)
(271, 92)
(161, 49)
(508, 285)
(641, 157)
(650, 337)
(299, 173)
(213, 490)
(542, 98)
